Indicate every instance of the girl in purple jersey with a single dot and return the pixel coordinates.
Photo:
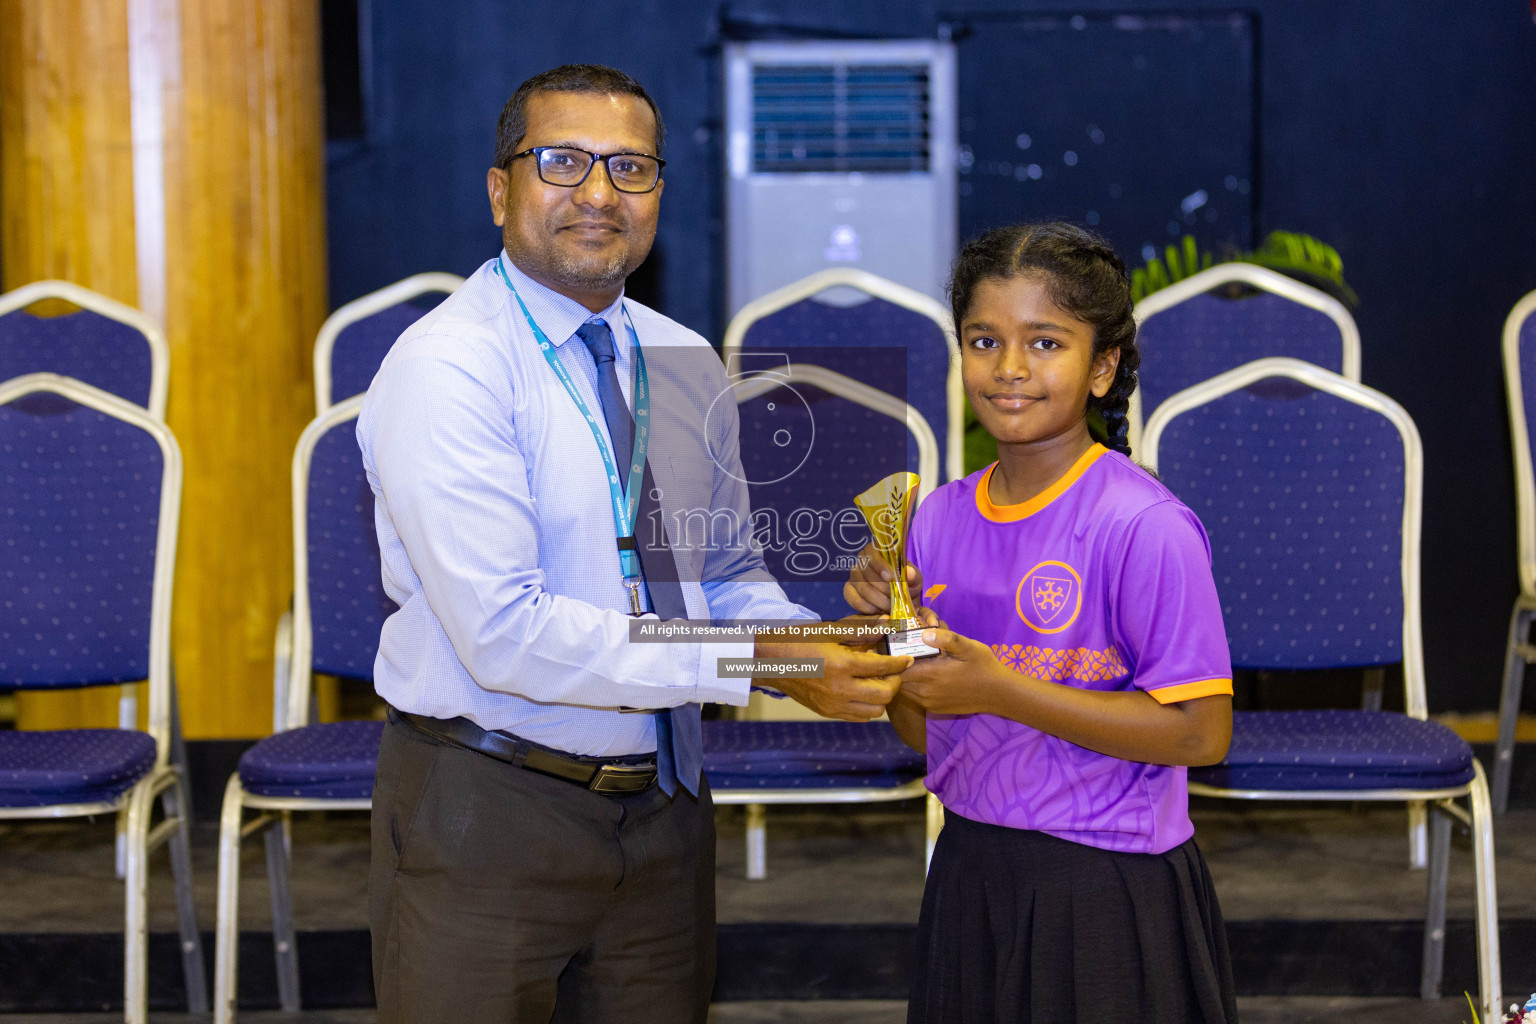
(1084, 666)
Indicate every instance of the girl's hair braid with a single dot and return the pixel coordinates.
(1084, 277)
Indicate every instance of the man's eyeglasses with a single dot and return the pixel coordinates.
(629, 172)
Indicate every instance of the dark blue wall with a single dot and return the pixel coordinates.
(1404, 133)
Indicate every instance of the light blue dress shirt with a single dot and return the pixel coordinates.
(496, 528)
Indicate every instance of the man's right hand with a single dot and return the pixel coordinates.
(856, 687)
(868, 590)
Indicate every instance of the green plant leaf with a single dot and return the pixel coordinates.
(1288, 252)
(980, 446)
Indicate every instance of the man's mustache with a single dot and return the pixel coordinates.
(587, 222)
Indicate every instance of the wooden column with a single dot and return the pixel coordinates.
(245, 295)
(221, 102)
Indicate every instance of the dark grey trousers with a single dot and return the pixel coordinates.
(501, 895)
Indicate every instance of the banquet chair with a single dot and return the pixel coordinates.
(107, 345)
(1309, 486)
(859, 437)
(1189, 333)
(339, 608)
(351, 346)
(94, 496)
(354, 340)
(814, 313)
(103, 343)
(1519, 363)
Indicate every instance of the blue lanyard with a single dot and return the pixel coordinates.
(626, 503)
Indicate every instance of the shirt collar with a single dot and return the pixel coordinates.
(558, 315)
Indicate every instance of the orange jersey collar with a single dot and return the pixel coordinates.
(1025, 509)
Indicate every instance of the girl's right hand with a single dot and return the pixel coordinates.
(868, 590)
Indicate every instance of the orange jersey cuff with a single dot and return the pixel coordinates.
(1189, 691)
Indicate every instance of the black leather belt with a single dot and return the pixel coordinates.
(597, 774)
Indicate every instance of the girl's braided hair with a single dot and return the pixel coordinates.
(1084, 277)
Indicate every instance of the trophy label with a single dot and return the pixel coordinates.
(908, 642)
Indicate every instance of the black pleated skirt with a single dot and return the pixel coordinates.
(1020, 926)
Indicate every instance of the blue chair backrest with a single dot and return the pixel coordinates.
(347, 602)
(79, 532)
(1209, 334)
(96, 349)
(1302, 494)
(874, 323)
(361, 346)
(805, 493)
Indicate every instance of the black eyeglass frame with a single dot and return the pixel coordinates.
(537, 153)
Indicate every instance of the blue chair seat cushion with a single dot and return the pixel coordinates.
(71, 766)
(808, 755)
(1336, 750)
(332, 761)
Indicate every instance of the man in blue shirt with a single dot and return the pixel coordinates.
(543, 840)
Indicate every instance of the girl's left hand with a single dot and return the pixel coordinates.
(962, 680)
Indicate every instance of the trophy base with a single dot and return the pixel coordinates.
(908, 642)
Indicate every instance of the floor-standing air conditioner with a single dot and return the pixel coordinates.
(840, 154)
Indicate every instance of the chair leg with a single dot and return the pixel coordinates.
(120, 846)
(178, 752)
(135, 923)
(175, 807)
(226, 957)
(284, 948)
(127, 718)
(757, 842)
(282, 657)
(1371, 689)
(935, 822)
(1418, 835)
(1489, 969)
(1434, 919)
(128, 707)
(1509, 703)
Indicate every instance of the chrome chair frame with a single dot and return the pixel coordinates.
(291, 708)
(159, 377)
(1437, 804)
(1263, 279)
(360, 309)
(757, 800)
(154, 337)
(880, 288)
(133, 809)
(1518, 649)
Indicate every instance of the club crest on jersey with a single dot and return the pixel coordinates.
(1049, 597)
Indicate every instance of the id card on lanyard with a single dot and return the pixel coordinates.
(625, 501)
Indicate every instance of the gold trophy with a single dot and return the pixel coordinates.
(887, 508)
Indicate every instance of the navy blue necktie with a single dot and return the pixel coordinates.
(679, 736)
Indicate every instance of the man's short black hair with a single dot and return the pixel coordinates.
(590, 78)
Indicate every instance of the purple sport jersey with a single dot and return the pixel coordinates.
(1102, 581)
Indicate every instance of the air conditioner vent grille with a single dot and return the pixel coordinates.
(839, 117)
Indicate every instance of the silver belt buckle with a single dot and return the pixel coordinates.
(621, 778)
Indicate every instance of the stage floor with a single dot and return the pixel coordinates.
(836, 866)
(830, 866)
(1260, 1010)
